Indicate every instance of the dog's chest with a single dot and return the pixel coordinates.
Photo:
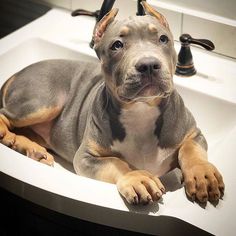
(140, 145)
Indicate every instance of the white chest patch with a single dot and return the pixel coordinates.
(140, 146)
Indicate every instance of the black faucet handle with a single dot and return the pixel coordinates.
(185, 66)
(82, 12)
(205, 43)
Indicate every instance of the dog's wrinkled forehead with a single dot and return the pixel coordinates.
(136, 25)
(135, 28)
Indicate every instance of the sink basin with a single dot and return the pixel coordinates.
(34, 50)
(215, 116)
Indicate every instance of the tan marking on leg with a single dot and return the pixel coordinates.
(199, 174)
(5, 122)
(189, 136)
(32, 150)
(111, 167)
(193, 151)
(97, 150)
(22, 144)
(40, 116)
(6, 137)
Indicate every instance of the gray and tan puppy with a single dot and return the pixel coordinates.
(126, 125)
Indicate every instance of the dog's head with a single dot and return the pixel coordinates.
(137, 54)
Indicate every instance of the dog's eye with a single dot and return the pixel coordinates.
(117, 45)
(163, 39)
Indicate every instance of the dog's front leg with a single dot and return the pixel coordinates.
(136, 186)
(203, 181)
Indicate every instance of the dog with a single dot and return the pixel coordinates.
(120, 121)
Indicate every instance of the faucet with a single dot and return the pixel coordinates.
(185, 66)
(105, 8)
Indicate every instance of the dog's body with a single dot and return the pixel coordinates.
(126, 125)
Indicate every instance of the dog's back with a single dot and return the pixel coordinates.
(61, 86)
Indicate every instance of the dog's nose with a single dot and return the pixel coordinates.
(148, 65)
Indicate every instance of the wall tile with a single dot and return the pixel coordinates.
(126, 8)
(216, 7)
(90, 5)
(223, 36)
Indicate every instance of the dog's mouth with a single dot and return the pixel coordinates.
(148, 90)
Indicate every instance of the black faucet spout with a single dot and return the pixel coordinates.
(105, 8)
(140, 10)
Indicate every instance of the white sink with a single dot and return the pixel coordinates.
(214, 112)
(215, 117)
(34, 50)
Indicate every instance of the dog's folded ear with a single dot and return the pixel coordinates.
(152, 12)
(102, 25)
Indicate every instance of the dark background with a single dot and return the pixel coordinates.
(17, 13)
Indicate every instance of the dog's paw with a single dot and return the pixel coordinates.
(203, 183)
(7, 138)
(40, 155)
(32, 150)
(140, 186)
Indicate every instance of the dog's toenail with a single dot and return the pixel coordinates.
(149, 198)
(163, 190)
(135, 202)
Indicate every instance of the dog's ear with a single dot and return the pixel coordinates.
(102, 25)
(151, 11)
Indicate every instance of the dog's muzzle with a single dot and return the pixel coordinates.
(147, 80)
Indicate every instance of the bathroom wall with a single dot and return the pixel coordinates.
(211, 19)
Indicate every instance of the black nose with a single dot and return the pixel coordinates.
(148, 65)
